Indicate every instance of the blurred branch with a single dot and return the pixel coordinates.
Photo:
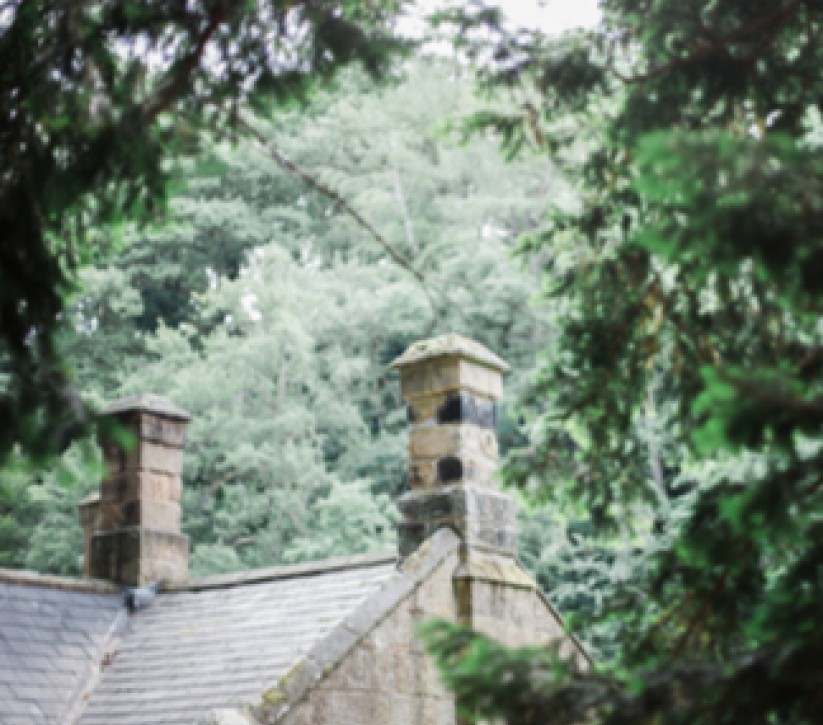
(290, 167)
(310, 181)
(178, 79)
(773, 21)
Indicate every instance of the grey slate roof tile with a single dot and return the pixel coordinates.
(201, 645)
(41, 673)
(199, 649)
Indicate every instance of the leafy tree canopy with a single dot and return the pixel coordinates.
(264, 309)
(96, 97)
(683, 395)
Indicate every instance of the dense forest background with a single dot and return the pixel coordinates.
(648, 260)
(262, 308)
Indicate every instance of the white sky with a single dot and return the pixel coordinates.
(551, 16)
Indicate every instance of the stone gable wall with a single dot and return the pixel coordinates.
(387, 678)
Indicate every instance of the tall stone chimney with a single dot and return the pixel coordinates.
(137, 538)
(452, 385)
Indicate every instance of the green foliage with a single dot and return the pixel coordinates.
(306, 329)
(39, 527)
(680, 402)
(481, 672)
(264, 310)
(350, 519)
(97, 97)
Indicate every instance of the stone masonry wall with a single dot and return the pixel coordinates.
(387, 678)
(507, 607)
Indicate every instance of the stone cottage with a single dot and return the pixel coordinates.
(331, 642)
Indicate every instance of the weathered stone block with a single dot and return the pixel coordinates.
(378, 604)
(499, 599)
(463, 407)
(409, 537)
(423, 408)
(137, 555)
(453, 407)
(479, 516)
(458, 500)
(115, 512)
(490, 536)
(89, 511)
(111, 514)
(152, 570)
(155, 457)
(465, 441)
(113, 489)
(422, 473)
(449, 374)
(114, 460)
(299, 678)
(160, 515)
(357, 707)
(144, 455)
(334, 646)
(430, 505)
(473, 471)
(175, 489)
(168, 431)
(141, 484)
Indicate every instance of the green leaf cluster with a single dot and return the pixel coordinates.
(96, 99)
(680, 403)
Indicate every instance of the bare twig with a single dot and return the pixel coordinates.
(401, 200)
(343, 203)
(310, 181)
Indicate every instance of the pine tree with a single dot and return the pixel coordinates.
(688, 286)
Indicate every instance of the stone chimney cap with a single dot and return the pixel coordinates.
(450, 345)
(147, 403)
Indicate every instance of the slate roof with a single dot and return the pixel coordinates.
(53, 632)
(202, 644)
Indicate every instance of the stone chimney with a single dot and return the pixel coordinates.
(137, 535)
(452, 385)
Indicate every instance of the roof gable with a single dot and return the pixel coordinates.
(328, 651)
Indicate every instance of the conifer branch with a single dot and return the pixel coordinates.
(774, 21)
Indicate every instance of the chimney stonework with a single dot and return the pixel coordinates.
(138, 537)
(452, 385)
(89, 509)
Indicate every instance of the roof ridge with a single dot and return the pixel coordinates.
(27, 577)
(288, 571)
(52, 581)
